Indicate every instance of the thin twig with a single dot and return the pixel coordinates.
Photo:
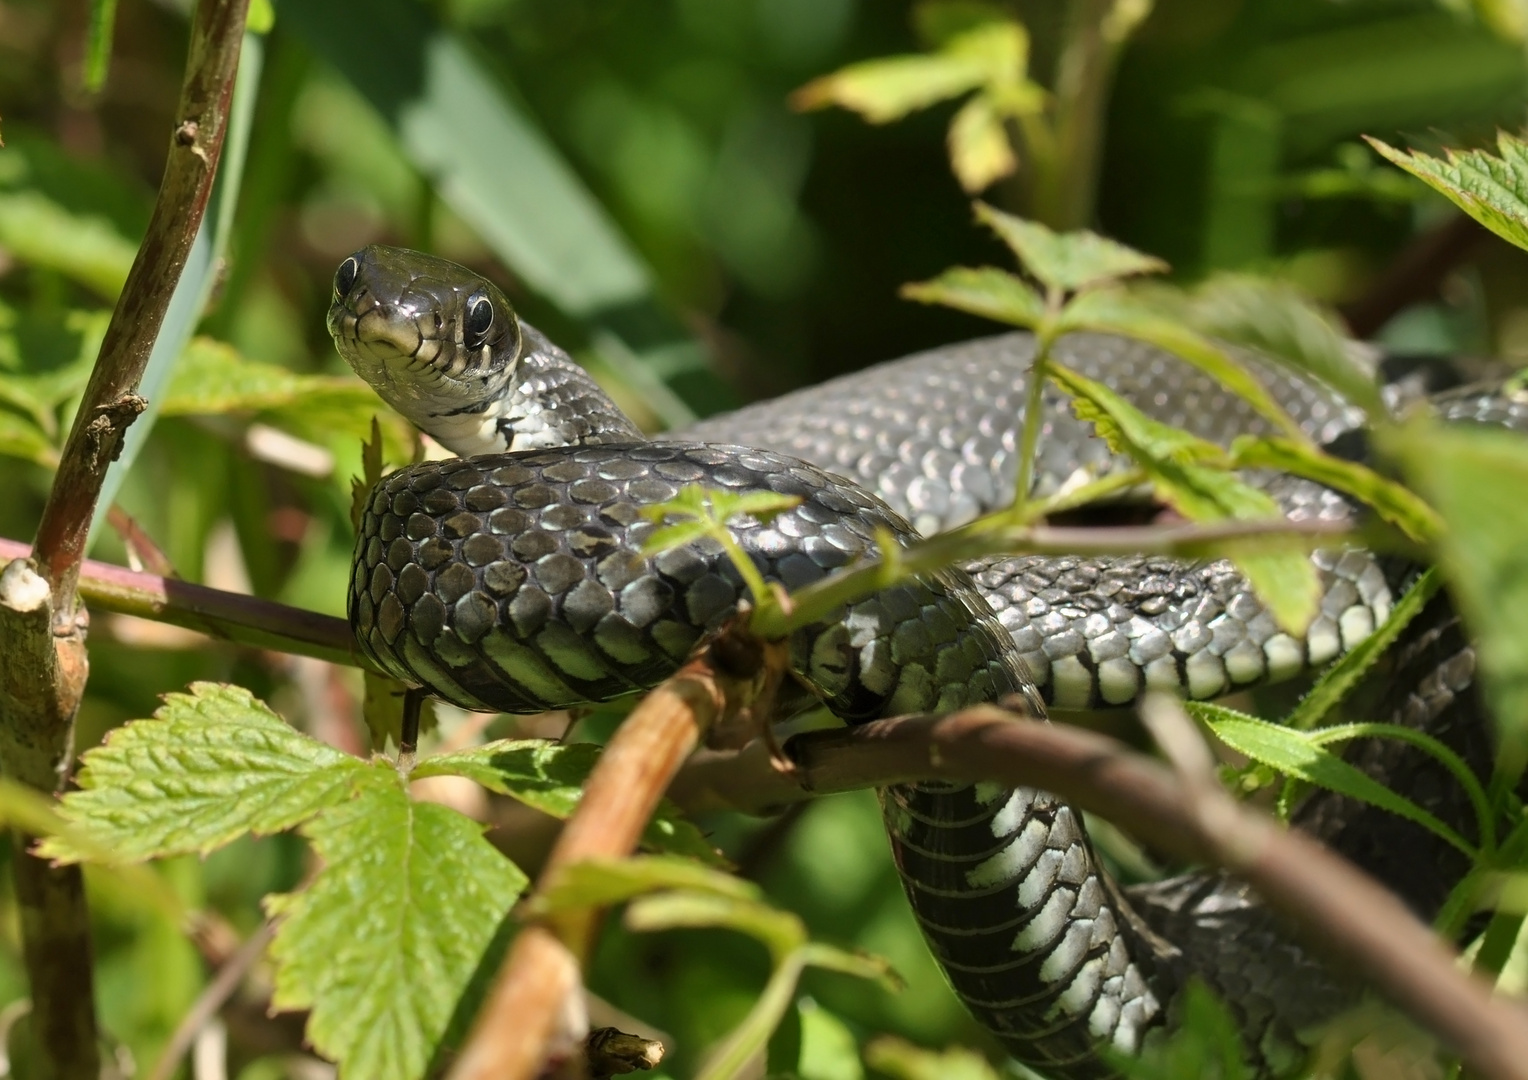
(43, 662)
(111, 401)
(235, 617)
(212, 998)
(535, 1010)
(1349, 916)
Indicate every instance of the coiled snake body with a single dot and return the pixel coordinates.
(510, 579)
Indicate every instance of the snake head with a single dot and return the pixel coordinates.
(434, 339)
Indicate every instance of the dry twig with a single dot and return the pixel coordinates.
(535, 1010)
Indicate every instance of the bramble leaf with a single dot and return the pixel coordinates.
(385, 942)
(1114, 311)
(1071, 261)
(1300, 755)
(1492, 190)
(980, 152)
(1191, 474)
(212, 765)
(1276, 320)
(550, 777)
(986, 291)
(1475, 477)
(890, 87)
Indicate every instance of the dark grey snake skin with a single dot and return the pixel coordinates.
(510, 579)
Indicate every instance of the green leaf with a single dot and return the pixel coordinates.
(1336, 682)
(384, 943)
(708, 510)
(1190, 474)
(1114, 311)
(1392, 501)
(212, 378)
(1475, 477)
(985, 291)
(889, 88)
(781, 932)
(602, 882)
(212, 765)
(1275, 319)
(66, 217)
(980, 152)
(901, 1060)
(1299, 754)
(550, 777)
(21, 438)
(1068, 262)
(1492, 190)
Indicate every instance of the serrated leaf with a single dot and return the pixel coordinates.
(550, 777)
(1071, 261)
(212, 765)
(1278, 321)
(902, 1060)
(890, 87)
(1190, 474)
(985, 291)
(1476, 478)
(1297, 754)
(1114, 311)
(1492, 190)
(980, 152)
(212, 378)
(1393, 502)
(384, 943)
(1341, 677)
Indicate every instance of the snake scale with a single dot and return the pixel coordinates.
(510, 579)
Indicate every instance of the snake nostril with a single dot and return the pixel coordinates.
(344, 277)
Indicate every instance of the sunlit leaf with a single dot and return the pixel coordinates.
(384, 943)
(890, 87)
(21, 438)
(212, 378)
(1278, 321)
(1191, 474)
(1336, 682)
(985, 291)
(1071, 261)
(901, 1060)
(1492, 190)
(1112, 311)
(550, 777)
(1300, 755)
(1475, 477)
(213, 764)
(980, 152)
(1393, 502)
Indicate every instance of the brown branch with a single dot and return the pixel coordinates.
(247, 620)
(1349, 916)
(43, 662)
(1415, 275)
(535, 1009)
(111, 401)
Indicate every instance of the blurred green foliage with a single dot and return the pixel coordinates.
(632, 172)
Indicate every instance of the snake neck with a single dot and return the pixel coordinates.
(551, 402)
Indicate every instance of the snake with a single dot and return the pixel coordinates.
(512, 577)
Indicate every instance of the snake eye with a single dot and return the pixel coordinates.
(479, 322)
(344, 277)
